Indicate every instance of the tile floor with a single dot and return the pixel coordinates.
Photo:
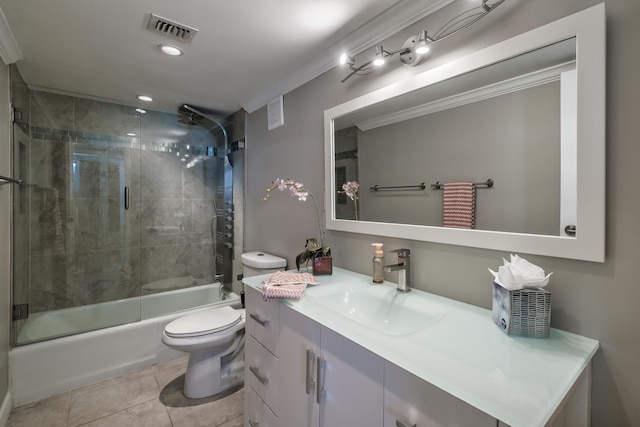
(151, 397)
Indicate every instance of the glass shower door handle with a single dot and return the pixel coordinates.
(126, 197)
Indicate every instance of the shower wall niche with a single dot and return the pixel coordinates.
(115, 203)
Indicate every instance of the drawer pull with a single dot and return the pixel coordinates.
(262, 378)
(401, 424)
(253, 423)
(311, 357)
(259, 320)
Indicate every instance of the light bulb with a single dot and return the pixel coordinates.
(422, 46)
(379, 59)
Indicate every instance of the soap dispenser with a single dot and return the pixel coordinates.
(378, 263)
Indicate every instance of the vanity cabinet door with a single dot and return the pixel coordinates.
(353, 383)
(412, 401)
(325, 379)
(299, 343)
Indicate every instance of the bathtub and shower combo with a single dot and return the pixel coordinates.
(124, 220)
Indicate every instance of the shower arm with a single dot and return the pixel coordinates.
(214, 120)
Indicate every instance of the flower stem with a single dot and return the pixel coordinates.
(318, 215)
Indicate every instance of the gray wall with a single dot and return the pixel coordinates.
(592, 299)
(5, 230)
(491, 138)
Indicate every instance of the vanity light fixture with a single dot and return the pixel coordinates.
(415, 48)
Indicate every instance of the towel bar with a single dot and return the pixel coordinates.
(13, 181)
(398, 187)
(488, 183)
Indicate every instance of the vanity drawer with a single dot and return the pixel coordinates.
(258, 414)
(261, 373)
(262, 319)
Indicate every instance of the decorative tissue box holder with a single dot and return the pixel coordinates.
(524, 312)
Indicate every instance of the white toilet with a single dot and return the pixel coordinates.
(214, 338)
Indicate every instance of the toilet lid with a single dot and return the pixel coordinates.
(203, 323)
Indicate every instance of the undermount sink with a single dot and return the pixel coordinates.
(379, 307)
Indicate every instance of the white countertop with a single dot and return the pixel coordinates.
(518, 380)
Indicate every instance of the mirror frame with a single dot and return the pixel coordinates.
(588, 26)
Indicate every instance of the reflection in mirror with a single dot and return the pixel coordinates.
(509, 113)
(503, 122)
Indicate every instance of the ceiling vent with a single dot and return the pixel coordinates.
(171, 29)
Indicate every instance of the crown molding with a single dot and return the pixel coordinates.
(9, 50)
(394, 19)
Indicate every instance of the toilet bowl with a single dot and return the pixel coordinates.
(214, 338)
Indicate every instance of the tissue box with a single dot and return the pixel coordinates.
(523, 312)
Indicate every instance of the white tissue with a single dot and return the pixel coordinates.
(520, 274)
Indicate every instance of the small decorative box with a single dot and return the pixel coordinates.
(522, 312)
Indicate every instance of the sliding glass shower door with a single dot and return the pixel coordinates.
(116, 203)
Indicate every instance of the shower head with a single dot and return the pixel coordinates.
(188, 120)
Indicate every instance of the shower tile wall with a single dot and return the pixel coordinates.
(83, 246)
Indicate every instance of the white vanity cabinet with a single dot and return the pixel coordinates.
(308, 366)
(410, 401)
(326, 379)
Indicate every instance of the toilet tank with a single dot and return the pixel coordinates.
(256, 263)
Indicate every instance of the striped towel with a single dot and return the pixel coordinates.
(459, 205)
(286, 285)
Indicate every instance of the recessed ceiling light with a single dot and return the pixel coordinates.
(145, 98)
(170, 50)
(141, 111)
(131, 134)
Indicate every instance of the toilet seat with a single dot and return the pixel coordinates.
(203, 323)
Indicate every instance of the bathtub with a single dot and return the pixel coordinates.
(45, 368)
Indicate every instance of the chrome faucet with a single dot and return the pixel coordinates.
(403, 267)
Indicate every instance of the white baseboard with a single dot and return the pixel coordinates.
(5, 409)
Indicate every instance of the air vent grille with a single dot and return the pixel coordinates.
(172, 29)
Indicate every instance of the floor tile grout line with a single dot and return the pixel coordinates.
(68, 408)
(113, 413)
(166, 409)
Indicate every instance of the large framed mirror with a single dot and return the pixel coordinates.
(523, 120)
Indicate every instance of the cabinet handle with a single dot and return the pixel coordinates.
(262, 378)
(311, 357)
(253, 423)
(322, 364)
(257, 318)
(401, 424)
